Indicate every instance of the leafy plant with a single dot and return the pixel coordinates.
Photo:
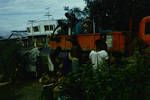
(127, 82)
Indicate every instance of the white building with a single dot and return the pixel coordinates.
(42, 27)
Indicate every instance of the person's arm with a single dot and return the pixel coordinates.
(91, 53)
(72, 58)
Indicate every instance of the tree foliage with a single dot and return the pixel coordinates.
(116, 14)
(9, 57)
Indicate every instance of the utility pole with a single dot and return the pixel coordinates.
(93, 25)
(32, 21)
(48, 15)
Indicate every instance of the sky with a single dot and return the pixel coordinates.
(15, 14)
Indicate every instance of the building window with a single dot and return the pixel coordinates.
(49, 27)
(35, 28)
(147, 28)
(46, 27)
(28, 30)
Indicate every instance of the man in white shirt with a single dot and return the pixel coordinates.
(100, 55)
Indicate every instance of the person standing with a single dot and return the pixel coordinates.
(100, 55)
(45, 64)
(75, 53)
(32, 67)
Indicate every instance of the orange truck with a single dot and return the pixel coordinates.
(116, 41)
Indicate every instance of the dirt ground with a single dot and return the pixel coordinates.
(29, 90)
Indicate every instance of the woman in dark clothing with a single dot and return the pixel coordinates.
(75, 53)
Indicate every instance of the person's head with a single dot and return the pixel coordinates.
(100, 44)
(74, 40)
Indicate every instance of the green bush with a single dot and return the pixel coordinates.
(112, 82)
(8, 57)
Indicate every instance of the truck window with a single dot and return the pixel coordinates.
(147, 28)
